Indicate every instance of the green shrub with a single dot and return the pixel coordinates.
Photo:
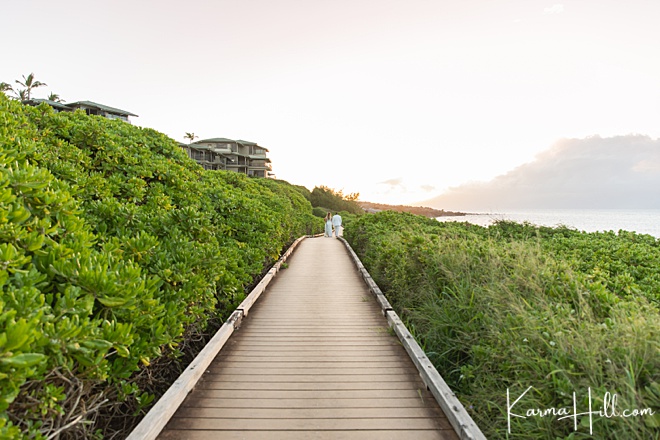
(319, 212)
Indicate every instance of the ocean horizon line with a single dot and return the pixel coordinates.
(641, 221)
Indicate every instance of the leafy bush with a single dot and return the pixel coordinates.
(319, 212)
(512, 306)
(307, 194)
(113, 246)
(334, 201)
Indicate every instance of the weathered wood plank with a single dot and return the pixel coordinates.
(309, 364)
(301, 350)
(256, 357)
(313, 394)
(306, 413)
(346, 321)
(316, 378)
(302, 370)
(265, 386)
(414, 402)
(311, 435)
(295, 424)
(327, 332)
(324, 344)
(364, 338)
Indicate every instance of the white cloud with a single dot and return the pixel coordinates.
(397, 181)
(595, 172)
(554, 9)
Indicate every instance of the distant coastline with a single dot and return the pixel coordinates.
(419, 210)
(641, 221)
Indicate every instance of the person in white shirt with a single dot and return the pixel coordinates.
(336, 224)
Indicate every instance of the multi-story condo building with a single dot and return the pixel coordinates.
(228, 154)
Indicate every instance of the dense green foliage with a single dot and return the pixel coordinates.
(334, 201)
(113, 245)
(513, 306)
(319, 212)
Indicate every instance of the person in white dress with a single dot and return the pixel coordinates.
(328, 225)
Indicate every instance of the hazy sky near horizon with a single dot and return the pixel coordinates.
(620, 172)
(396, 99)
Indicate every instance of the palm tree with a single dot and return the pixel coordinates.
(191, 137)
(5, 87)
(29, 83)
(54, 97)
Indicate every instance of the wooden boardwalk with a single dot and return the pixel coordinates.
(314, 359)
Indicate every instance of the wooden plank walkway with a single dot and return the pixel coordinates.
(314, 359)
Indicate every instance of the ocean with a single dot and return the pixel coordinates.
(588, 220)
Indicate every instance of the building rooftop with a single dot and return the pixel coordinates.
(58, 105)
(251, 143)
(101, 107)
(214, 140)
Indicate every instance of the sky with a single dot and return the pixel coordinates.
(402, 101)
(620, 172)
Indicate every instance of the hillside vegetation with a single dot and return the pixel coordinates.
(514, 306)
(326, 200)
(116, 250)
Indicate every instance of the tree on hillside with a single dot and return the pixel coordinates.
(54, 97)
(328, 198)
(352, 197)
(191, 137)
(29, 83)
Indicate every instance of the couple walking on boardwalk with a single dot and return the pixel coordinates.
(332, 222)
